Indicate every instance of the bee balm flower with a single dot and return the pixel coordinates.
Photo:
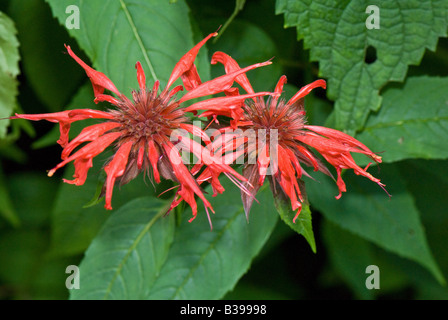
(285, 143)
(140, 129)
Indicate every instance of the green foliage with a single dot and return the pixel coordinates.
(383, 86)
(337, 36)
(9, 69)
(412, 121)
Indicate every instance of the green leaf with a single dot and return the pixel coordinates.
(44, 64)
(303, 224)
(206, 264)
(393, 224)
(117, 33)
(125, 258)
(412, 122)
(337, 36)
(9, 69)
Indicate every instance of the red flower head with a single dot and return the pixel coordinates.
(142, 129)
(276, 141)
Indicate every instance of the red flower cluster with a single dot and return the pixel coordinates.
(144, 131)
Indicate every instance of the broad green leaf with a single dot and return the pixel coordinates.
(412, 122)
(338, 38)
(115, 34)
(393, 224)
(44, 64)
(206, 264)
(9, 70)
(126, 257)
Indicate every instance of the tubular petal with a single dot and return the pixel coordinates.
(115, 169)
(99, 80)
(65, 118)
(188, 185)
(153, 156)
(88, 134)
(141, 78)
(307, 89)
(230, 65)
(191, 78)
(90, 150)
(223, 105)
(82, 166)
(186, 62)
(219, 84)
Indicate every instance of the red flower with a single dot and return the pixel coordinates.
(142, 129)
(275, 139)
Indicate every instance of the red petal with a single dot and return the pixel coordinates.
(191, 78)
(230, 65)
(188, 185)
(186, 62)
(141, 78)
(115, 169)
(88, 134)
(219, 84)
(344, 138)
(65, 118)
(82, 167)
(223, 105)
(90, 150)
(278, 90)
(99, 80)
(307, 89)
(153, 156)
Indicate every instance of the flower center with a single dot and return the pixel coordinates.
(279, 119)
(148, 114)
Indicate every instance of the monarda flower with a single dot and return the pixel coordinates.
(276, 140)
(142, 129)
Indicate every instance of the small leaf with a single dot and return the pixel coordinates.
(125, 258)
(303, 224)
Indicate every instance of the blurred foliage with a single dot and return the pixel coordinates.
(45, 226)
